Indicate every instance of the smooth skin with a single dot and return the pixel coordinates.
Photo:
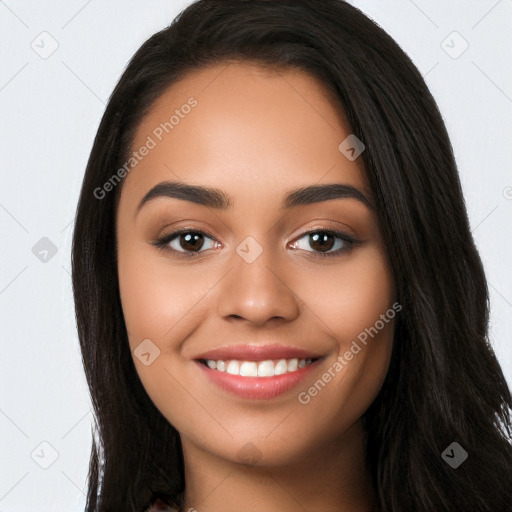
(256, 134)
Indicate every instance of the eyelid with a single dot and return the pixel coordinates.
(179, 231)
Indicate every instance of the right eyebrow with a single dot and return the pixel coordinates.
(207, 196)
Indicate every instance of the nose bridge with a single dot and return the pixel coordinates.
(256, 287)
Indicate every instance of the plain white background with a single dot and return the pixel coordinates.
(51, 104)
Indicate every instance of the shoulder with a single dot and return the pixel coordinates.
(159, 504)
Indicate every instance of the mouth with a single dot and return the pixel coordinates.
(267, 368)
(257, 372)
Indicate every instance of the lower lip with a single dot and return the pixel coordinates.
(258, 388)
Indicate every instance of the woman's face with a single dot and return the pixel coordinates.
(246, 282)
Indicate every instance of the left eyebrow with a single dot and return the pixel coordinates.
(319, 193)
(218, 199)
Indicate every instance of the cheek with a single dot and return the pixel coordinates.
(156, 297)
(352, 297)
(353, 306)
(161, 303)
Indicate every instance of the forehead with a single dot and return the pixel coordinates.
(245, 129)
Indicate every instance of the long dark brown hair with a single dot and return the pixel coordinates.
(444, 382)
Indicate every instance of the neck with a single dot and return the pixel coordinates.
(330, 478)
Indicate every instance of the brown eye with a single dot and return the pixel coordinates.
(186, 242)
(191, 241)
(321, 241)
(325, 243)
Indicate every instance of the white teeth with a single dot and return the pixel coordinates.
(267, 368)
(281, 367)
(293, 365)
(233, 368)
(248, 369)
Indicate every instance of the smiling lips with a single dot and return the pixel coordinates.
(257, 372)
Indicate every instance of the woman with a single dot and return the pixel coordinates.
(279, 301)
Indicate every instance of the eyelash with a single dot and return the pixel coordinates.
(162, 243)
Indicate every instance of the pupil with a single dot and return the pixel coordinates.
(319, 241)
(191, 242)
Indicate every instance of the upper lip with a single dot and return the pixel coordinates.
(257, 353)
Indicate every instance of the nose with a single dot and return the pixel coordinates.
(257, 290)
